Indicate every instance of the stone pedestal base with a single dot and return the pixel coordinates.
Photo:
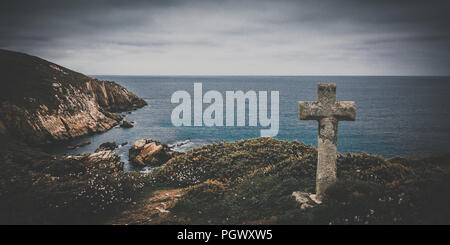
(306, 200)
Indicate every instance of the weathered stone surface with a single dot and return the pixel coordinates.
(306, 200)
(114, 98)
(107, 146)
(103, 159)
(149, 152)
(139, 144)
(126, 124)
(42, 102)
(327, 111)
(301, 197)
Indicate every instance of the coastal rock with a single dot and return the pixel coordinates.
(71, 147)
(106, 159)
(126, 124)
(107, 146)
(114, 98)
(102, 159)
(43, 103)
(178, 144)
(149, 152)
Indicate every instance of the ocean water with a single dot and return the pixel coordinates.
(407, 116)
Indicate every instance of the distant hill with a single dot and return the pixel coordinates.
(43, 102)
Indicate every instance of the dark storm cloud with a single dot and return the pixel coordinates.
(233, 37)
(48, 19)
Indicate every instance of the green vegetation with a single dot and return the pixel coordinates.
(245, 182)
(36, 188)
(251, 181)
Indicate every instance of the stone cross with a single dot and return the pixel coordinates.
(327, 111)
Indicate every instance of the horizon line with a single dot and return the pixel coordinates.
(237, 75)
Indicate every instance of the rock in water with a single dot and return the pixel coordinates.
(178, 144)
(42, 102)
(107, 146)
(126, 124)
(149, 152)
(71, 147)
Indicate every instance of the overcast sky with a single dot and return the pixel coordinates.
(233, 37)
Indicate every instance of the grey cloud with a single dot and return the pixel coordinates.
(272, 37)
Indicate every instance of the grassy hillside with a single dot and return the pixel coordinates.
(38, 188)
(244, 182)
(251, 181)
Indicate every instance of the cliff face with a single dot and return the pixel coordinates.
(42, 102)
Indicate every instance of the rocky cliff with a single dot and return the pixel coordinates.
(43, 102)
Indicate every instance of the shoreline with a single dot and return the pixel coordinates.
(66, 152)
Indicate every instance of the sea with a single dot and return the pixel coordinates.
(396, 115)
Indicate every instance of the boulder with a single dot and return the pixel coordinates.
(102, 159)
(106, 159)
(306, 200)
(126, 124)
(107, 146)
(139, 144)
(149, 152)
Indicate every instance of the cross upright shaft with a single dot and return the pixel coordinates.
(327, 111)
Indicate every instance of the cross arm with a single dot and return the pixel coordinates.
(345, 111)
(309, 110)
(313, 110)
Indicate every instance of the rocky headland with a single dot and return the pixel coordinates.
(42, 102)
